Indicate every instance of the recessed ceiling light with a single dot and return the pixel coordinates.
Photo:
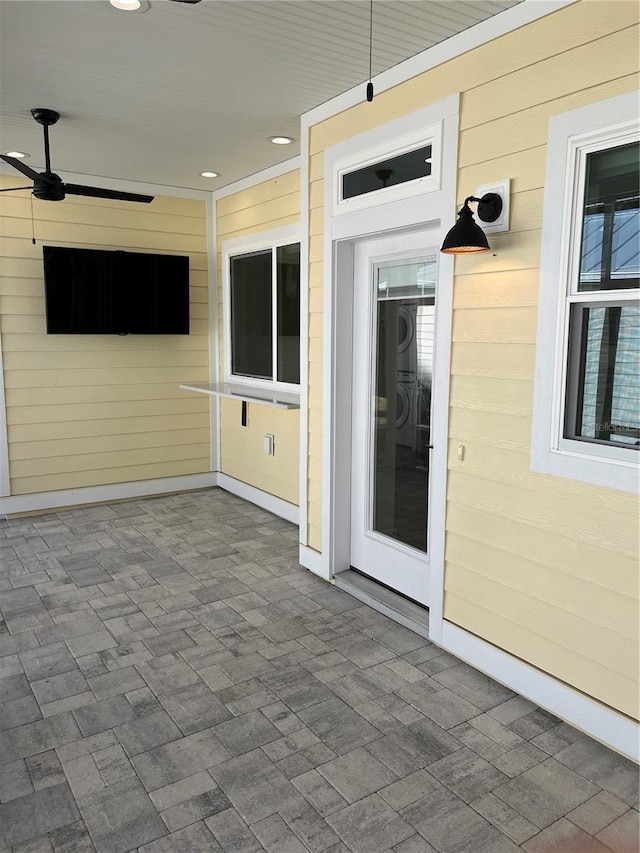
(130, 5)
(210, 174)
(19, 155)
(281, 140)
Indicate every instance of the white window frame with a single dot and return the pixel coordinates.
(385, 151)
(260, 242)
(572, 136)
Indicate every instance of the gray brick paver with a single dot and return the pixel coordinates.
(238, 704)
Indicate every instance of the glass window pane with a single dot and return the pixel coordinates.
(251, 317)
(401, 279)
(605, 374)
(388, 173)
(610, 251)
(288, 273)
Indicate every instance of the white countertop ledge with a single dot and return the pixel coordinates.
(263, 396)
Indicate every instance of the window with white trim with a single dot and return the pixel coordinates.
(395, 169)
(262, 310)
(589, 426)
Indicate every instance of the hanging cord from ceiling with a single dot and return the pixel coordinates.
(33, 227)
(370, 84)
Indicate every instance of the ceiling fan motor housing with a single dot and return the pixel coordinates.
(49, 187)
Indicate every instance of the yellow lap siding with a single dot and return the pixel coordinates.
(89, 410)
(103, 477)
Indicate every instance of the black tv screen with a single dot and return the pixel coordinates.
(103, 292)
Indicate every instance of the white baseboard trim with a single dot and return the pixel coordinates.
(312, 560)
(598, 721)
(43, 501)
(284, 509)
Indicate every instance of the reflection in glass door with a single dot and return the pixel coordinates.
(400, 431)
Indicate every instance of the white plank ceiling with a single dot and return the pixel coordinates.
(161, 96)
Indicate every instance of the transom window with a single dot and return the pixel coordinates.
(263, 308)
(388, 173)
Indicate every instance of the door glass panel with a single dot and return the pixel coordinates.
(403, 375)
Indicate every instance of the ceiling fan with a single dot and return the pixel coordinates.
(50, 187)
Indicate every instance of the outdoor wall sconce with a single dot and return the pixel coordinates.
(466, 235)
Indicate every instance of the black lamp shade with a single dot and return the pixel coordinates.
(466, 235)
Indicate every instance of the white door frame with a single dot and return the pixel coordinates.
(434, 208)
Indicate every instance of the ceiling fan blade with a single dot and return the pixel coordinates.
(13, 189)
(20, 166)
(97, 192)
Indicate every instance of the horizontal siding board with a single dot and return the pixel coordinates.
(260, 194)
(19, 249)
(547, 510)
(105, 411)
(562, 627)
(55, 233)
(491, 289)
(568, 665)
(102, 477)
(555, 77)
(523, 130)
(500, 361)
(152, 356)
(509, 431)
(506, 396)
(46, 429)
(525, 169)
(19, 343)
(32, 450)
(521, 543)
(146, 219)
(99, 460)
(596, 603)
(96, 376)
(252, 217)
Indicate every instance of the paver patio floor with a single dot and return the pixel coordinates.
(172, 681)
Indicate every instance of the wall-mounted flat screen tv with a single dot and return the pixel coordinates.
(104, 292)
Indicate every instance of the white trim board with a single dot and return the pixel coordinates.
(505, 22)
(5, 482)
(312, 560)
(596, 720)
(43, 501)
(212, 295)
(303, 465)
(271, 503)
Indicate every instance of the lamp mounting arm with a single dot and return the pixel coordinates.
(489, 206)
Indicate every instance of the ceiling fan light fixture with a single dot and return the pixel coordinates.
(281, 140)
(18, 155)
(210, 174)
